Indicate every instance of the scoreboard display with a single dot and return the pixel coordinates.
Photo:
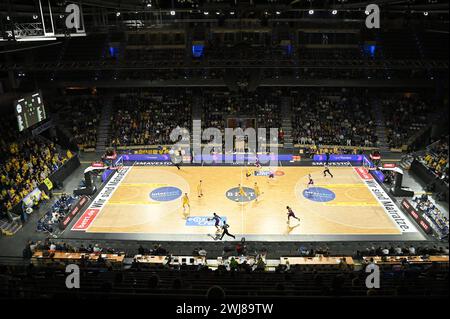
(29, 110)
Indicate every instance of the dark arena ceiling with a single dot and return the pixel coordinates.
(129, 39)
(116, 13)
(20, 7)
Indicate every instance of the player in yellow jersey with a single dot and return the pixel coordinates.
(200, 189)
(248, 173)
(186, 202)
(257, 191)
(242, 191)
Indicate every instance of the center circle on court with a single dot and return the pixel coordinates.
(166, 194)
(233, 194)
(319, 194)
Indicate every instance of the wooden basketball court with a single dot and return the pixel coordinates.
(148, 200)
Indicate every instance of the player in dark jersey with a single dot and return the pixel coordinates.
(257, 163)
(176, 159)
(291, 214)
(310, 182)
(326, 171)
(217, 219)
(225, 231)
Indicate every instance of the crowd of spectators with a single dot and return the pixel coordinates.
(49, 247)
(405, 115)
(333, 120)
(149, 120)
(319, 118)
(436, 159)
(82, 117)
(402, 250)
(430, 212)
(262, 105)
(242, 274)
(50, 222)
(25, 162)
(242, 249)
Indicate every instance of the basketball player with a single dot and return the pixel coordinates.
(186, 202)
(271, 177)
(291, 214)
(216, 219)
(327, 170)
(248, 173)
(178, 157)
(257, 163)
(225, 231)
(200, 189)
(311, 181)
(242, 191)
(257, 191)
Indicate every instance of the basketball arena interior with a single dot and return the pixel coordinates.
(221, 150)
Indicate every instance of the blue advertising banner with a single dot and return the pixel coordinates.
(146, 157)
(377, 174)
(339, 158)
(247, 158)
(201, 221)
(106, 174)
(209, 158)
